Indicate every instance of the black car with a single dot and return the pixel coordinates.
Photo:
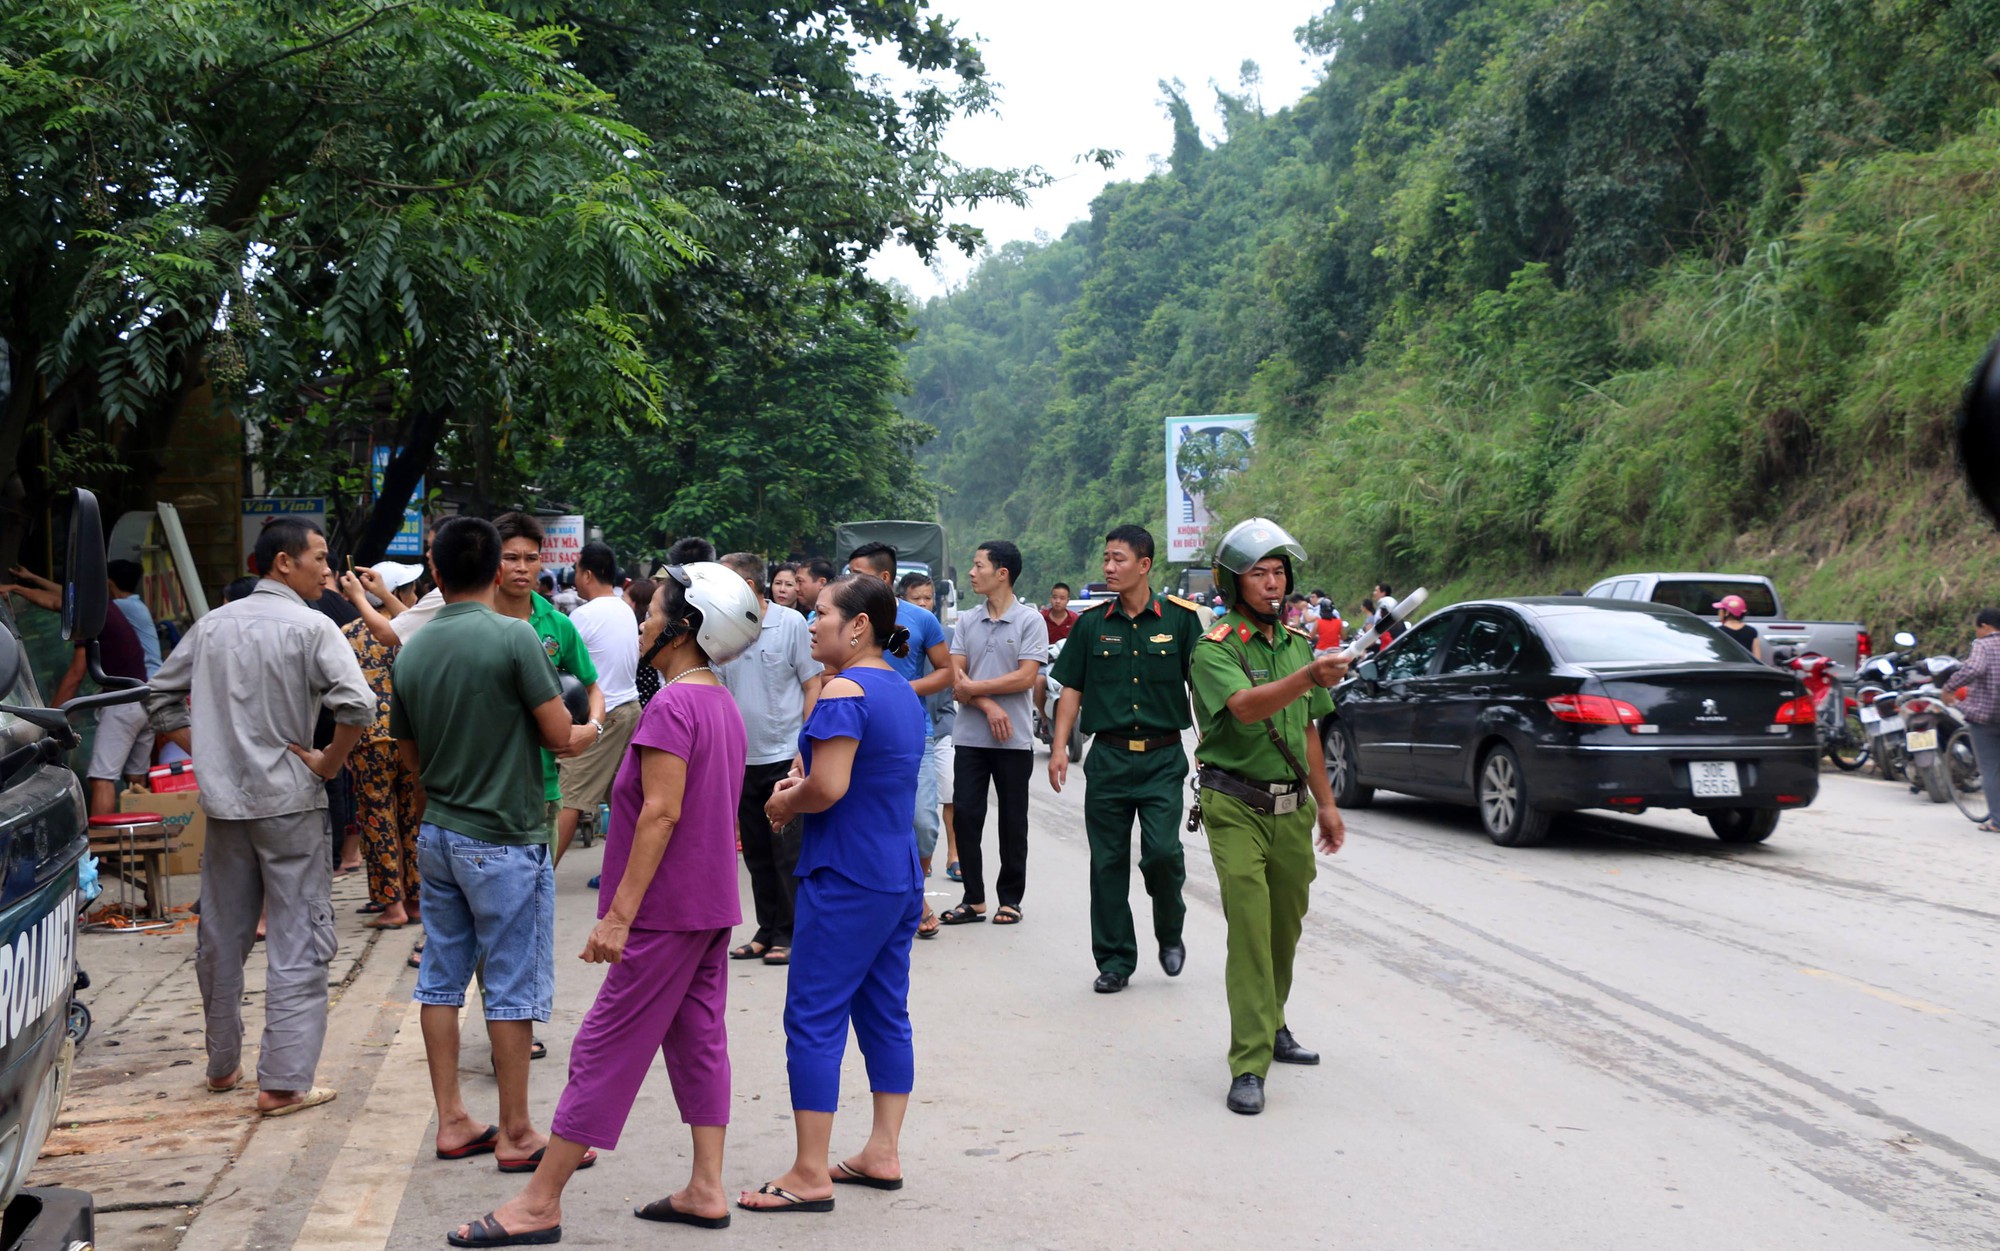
(1530, 707)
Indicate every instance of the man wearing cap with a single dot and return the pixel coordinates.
(1258, 693)
(1124, 673)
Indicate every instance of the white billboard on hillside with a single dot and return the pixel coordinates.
(1202, 453)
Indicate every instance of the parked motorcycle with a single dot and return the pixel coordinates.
(1045, 727)
(1878, 694)
(1842, 735)
(1928, 723)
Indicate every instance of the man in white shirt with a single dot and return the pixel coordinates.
(611, 635)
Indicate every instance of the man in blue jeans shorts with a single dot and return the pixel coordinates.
(473, 704)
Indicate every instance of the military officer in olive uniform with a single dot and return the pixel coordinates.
(1258, 694)
(1124, 671)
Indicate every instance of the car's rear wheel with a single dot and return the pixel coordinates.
(1506, 807)
(1743, 825)
(1343, 768)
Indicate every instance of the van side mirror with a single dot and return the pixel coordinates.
(85, 599)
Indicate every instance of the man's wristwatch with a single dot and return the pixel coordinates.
(598, 726)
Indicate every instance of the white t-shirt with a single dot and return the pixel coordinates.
(611, 635)
(418, 615)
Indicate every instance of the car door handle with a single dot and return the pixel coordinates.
(1483, 692)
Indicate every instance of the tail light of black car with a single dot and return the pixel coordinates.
(1599, 710)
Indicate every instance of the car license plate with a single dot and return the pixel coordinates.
(1869, 716)
(1890, 725)
(1920, 740)
(1714, 779)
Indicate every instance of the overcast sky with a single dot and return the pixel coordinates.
(1085, 74)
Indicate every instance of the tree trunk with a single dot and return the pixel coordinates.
(399, 482)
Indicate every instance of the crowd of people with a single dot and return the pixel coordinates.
(446, 726)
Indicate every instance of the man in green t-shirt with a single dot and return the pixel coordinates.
(473, 701)
(515, 596)
(1258, 692)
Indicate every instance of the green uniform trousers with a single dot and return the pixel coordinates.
(1265, 867)
(1120, 785)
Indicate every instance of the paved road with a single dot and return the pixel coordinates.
(1632, 1037)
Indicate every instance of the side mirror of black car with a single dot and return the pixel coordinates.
(85, 597)
(1369, 672)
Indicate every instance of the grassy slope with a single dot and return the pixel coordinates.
(1786, 415)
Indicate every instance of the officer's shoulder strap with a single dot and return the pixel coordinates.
(1300, 633)
(1187, 604)
(1219, 633)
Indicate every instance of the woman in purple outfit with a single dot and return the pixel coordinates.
(666, 906)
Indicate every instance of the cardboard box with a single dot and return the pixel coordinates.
(181, 812)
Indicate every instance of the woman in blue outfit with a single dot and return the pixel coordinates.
(861, 894)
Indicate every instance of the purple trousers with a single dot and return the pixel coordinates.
(667, 995)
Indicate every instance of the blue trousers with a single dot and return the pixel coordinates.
(850, 962)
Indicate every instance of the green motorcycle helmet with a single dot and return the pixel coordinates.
(1247, 543)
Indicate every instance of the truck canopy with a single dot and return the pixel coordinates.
(916, 542)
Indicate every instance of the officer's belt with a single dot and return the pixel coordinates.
(1273, 799)
(1107, 739)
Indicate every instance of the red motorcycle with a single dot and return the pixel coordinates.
(1841, 735)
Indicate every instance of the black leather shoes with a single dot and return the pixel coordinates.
(1246, 1095)
(1110, 983)
(1285, 1049)
(1173, 958)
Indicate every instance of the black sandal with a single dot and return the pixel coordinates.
(748, 951)
(964, 914)
(664, 1210)
(792, 1203)
(489, 1232)
(1007, 915)
(846, 1175)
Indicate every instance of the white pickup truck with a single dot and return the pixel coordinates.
(1845, 642)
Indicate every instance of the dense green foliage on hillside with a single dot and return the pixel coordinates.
(1522, 291)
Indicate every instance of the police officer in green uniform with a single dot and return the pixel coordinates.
(1258, 694)
(1124, 671)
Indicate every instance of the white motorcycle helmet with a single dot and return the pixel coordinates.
(730, 621)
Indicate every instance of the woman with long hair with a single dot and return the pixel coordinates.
(861, 894)
(665, 910)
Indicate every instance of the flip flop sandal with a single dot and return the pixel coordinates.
(528, 1163)
(370, 909)
(777, 955)
(487, 1231)
(235, 1080)
(379, 924)
(1989, 827)
(928, 927)
(748, 951)
(792, 1203)
(951, 871)
(1008, 914)
(416, 960)
(844, 1175)
(485, 1144)
(538, 1050)
(313, 1098)
(664, 1210)
(964, 914)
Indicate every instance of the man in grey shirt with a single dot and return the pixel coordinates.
(996, 650)
(775, 684)
(241, 694)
